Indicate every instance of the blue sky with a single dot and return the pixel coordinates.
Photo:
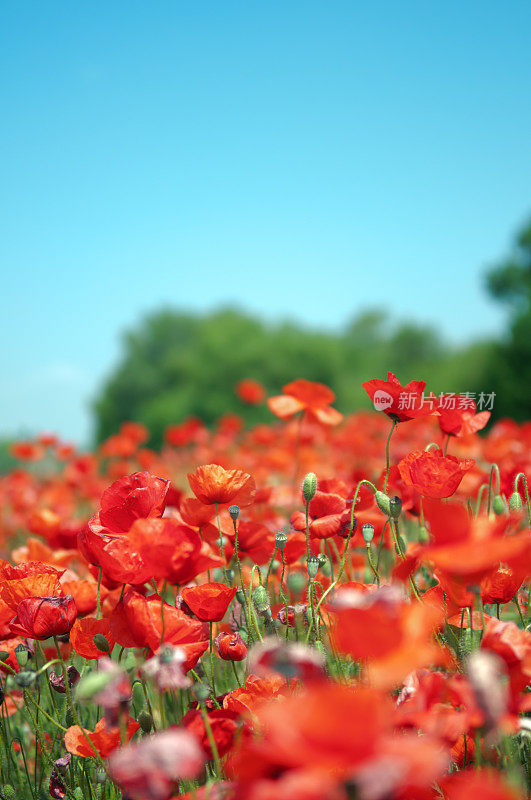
(302, 159)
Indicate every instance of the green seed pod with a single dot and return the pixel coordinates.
(139, 698)
(367, 531)
(260, 599)
(296, 582)
(281, 540)
(234, 512)
(515, 502)
(383, 503)
(101, 643)
(498, 505)
(395, 507)
(22, 655)
(312, 565)
(4, 655)
(145, 720)
(424, 536)
(309, 486)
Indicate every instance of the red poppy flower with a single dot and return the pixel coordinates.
(457, 415)
(328, 512)
(223, 726)
(30, 579)
(392, 635)
(314, 399)
(487, 784)
(140, 495)
(42, 617)
(210, 601)
(253, 694)
(433, 474)
(139, 621)
(401, 403)
(230, 646)
(82, 636)
(104, 739)
(213, 484)
(250, 391)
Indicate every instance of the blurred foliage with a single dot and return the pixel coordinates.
(509, 371)
(177, 364)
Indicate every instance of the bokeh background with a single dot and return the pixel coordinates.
(199, 192)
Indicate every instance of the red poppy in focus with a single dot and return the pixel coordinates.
(433, 474)
(210, 601)
(401, 403)
(213, 484)
(42, 617)
(328, 512)
(314, 399)
(136, 496)
(30, 579)
(82, 637)
(458, 415)
(230, 646)
(250, 391)
(103, 739)
(139, 621)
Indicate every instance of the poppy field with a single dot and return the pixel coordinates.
(323, 607)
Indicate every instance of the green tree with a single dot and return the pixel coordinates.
(509, 371)
(176, 364)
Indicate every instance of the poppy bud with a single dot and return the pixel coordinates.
(9, 792)
(138, 694)
(101, 642)
(498, 505)
(312, 566)
(281, 540)
(260, 599)
(395, 507)
(240, 596)
(3, 655)
(61, 764)
(309, 486)
(145, 720)
(234, 512)
(515, 502)
(383, 503)
(78, 793)
(367, 531)
(230, 646)
(22, 655)
(296, 582)
(424, 536)
(25, 678)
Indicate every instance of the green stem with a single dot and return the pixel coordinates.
(393, 426)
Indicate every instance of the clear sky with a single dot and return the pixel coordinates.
(298, 158)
